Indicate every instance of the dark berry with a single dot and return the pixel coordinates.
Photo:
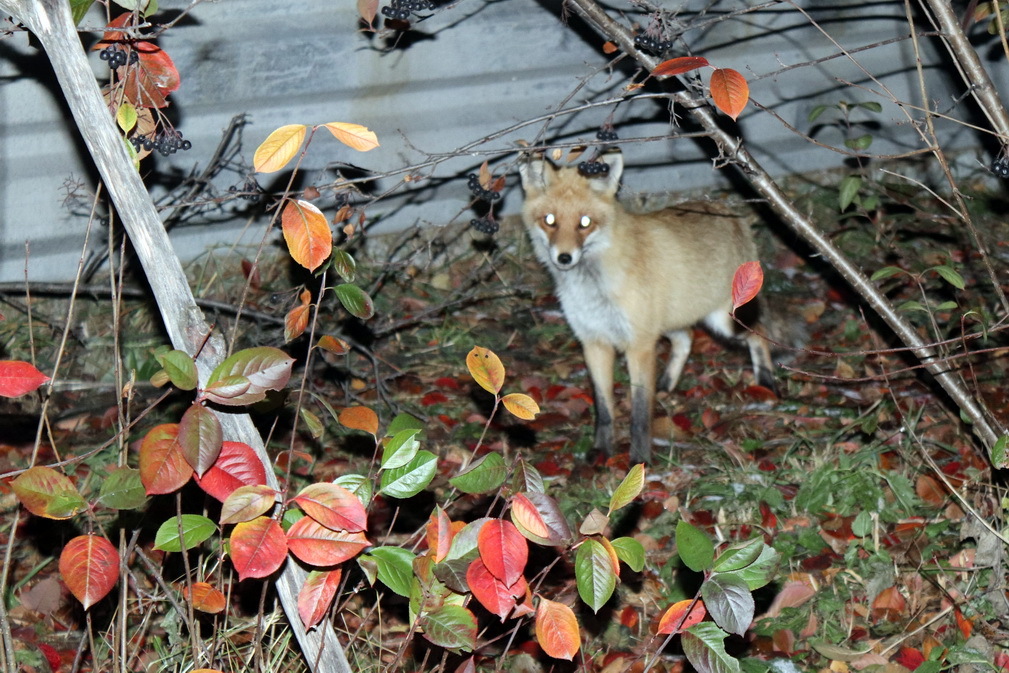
(485, 225)
(606, 135)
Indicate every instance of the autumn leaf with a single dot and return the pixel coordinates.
(317, 595)
(360, 418)
(729, 91)
(257, 547)
(746, 283)
(18, 378)
(307, 234)
(681, 616)
(296, 320)
(521, 406)
(279, 148)
(678, 66)
(486, 369)
(503, 549)
(557, 630)
(89, 565)
(354, 136)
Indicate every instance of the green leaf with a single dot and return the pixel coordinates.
(452, 627)
(739, 555)
(862, 525)
(412, 478)
(404, 421)
(78, 8)
(594, 575)
(761, 571)
(195, 529)
(886, 272)
(998, 453)
(400, 450)
(344, 265)
(180, 368)
(122, 489)
(950, 275)
(704, 646)
(847, 191)
(312, 422)
(631, 552)
(872, 106)
(355, 300)
(946, 306)
(629, 488)
(483, 475)
(912, 305)
(395, 568)
(126, 116)
(859, 144)
(729, 602)
(694, 547)
(815, 113)
(357, 484)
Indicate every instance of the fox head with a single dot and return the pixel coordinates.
(568, 215)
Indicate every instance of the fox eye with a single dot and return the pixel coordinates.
(549, 219)
(585, 222)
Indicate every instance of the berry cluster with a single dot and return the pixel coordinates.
(606, 135)
(166, 142)
(1000, 167)
(473, 182)
(117, 57)
(400, 10)
(248, 191)
(593, 168)
(651, 44)
(485, 225)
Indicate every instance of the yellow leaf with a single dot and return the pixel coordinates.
(522, 406)
(354, 136)
(729, 90)
(307, 233)
(279, 148)
(486, 369)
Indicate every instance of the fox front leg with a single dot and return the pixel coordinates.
(599, 357)
(641, 368)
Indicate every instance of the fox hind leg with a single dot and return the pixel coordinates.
(680, 341)
(721, 323)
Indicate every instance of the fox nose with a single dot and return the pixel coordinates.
(564, 259)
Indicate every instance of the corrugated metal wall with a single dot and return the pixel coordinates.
(474, 69)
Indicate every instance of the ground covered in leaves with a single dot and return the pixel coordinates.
(884, 510)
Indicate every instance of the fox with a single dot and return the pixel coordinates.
(625, 280)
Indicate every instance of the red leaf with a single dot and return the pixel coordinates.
(89, 565)
(333, 506)
(439, 534)
(258, 547)
(729, 91)
(681, 616)
(237, 465)
(889, 605)
(317, 595)
(678, 66)
(746, 283)
(317, 545)
(163, 466)
(503, 550)
(491, 592)
(19, 378)
(909, 658)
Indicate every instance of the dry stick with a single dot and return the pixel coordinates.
(52, 24)
(733, 148)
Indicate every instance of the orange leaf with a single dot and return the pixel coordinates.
(307, 233)
(368, 9)
(334, 345)
(317, 595)
(521, 406)
(889, 605)
(258, 547)
(439, 534)
(317, 545)
(491, 592)
(486, 369)
(333, 506)
(296, 320)
(354, 136)
(503, 550)
(678, 66)
(729, 90)
(47, 493)
(746, 283)
(681, 616)
(609, 48)
(279, 148)
(89, 565)
(19, 378)
(929, 490)
(557, 630)
(206, 598)
(360, 418)
(163, 466)
(965, 625)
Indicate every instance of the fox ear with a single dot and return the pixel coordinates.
(536, 174)
(608, 184)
